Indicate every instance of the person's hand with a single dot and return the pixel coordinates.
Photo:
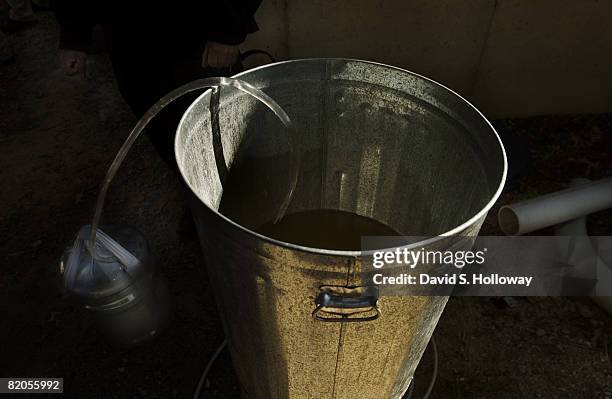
(218, 55)
(73, 62)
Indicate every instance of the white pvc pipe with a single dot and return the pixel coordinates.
(551, 209)
(583, 256)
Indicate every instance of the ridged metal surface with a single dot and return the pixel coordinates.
(374, 140)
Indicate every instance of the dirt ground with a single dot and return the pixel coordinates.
(57, 138)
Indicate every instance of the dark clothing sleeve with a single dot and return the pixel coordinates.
(76, 19)
(229, 21)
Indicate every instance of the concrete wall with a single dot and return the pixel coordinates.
(510, 58)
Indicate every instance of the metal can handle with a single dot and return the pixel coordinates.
(346, 304)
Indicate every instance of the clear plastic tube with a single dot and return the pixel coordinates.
(214, 82)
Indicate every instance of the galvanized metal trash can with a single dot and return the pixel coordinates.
(374, 140)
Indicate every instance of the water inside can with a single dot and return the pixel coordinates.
(255, 187)
(252, 189)
(326, 229)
